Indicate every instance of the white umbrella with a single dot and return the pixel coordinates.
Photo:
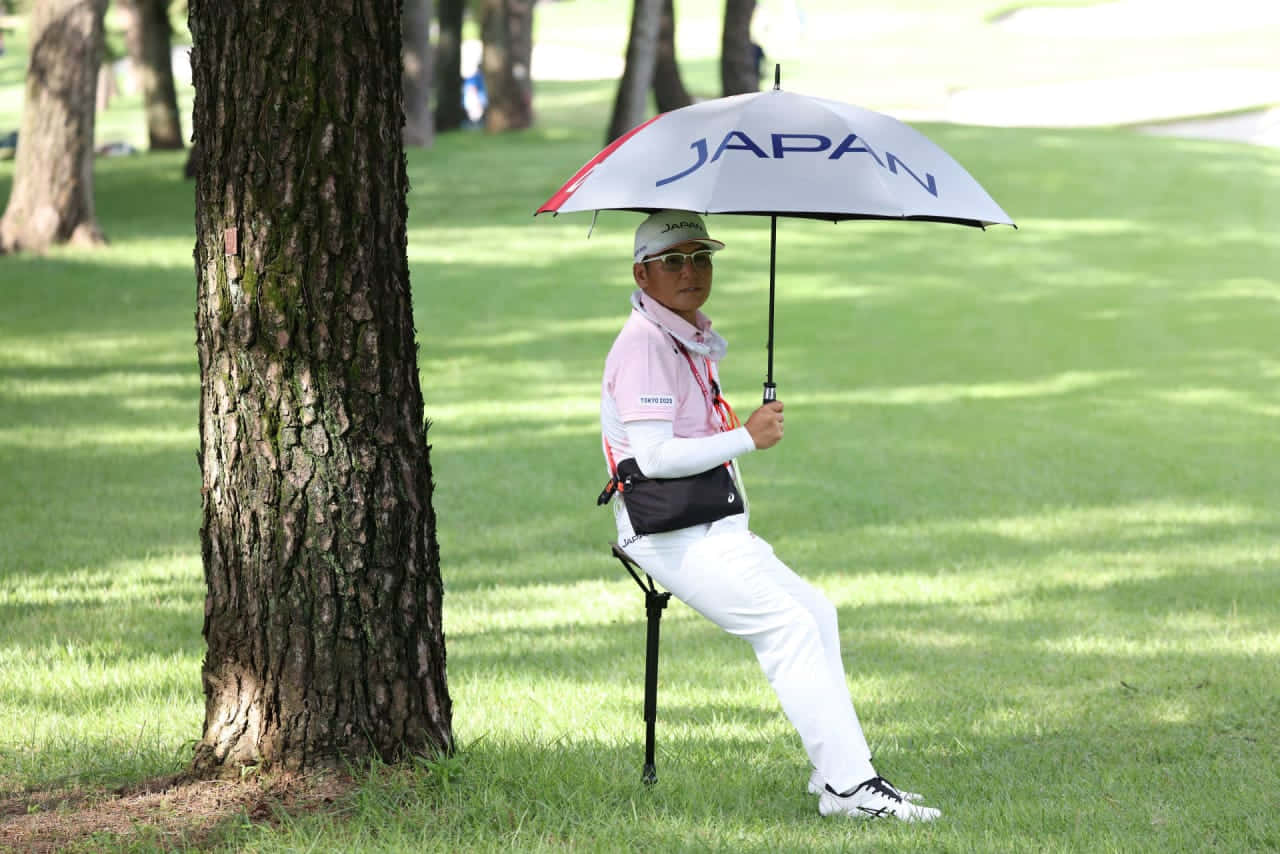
(777, 153)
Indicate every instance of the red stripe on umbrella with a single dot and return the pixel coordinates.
(552, 205)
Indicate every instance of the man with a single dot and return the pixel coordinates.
(661, 407)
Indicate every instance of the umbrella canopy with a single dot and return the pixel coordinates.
(777, 153)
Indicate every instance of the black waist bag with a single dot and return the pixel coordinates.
(661, 504)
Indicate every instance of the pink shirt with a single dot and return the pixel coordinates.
(646, 377)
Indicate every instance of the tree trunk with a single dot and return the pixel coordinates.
(520, 42)
(668, 88)
(105, 90)
(739, 70)
(148, 38)
(507, 31)
(322, 614)
(52, 196)
(419, 126)
(631, 105)
(449, 111)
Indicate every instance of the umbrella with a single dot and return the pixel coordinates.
(778, 153)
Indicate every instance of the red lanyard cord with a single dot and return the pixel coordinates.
(728, 418)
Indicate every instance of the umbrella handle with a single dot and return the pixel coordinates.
(770, 392)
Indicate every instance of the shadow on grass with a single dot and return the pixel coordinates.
(1092, 394)
(890, 638)
(737, 792)
(744, 793)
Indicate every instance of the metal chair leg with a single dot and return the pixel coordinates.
(654, 602)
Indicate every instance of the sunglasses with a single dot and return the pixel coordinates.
(673, 262)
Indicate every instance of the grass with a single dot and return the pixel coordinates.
(1037, 471)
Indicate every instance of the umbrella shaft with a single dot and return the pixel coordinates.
(770, 389)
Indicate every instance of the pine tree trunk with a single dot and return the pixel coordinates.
(668, 87)
(738, 70)
(149, 40)
(631, 105)
(323, 607)
(450, 113)
(52, 197)
(419, 124)
(507, 31)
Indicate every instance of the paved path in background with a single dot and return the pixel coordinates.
(1178, 103)
(1260, 127)
(1146, 18)
(1167, 102)
(1171, 102)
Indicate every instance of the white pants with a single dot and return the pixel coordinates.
(733, 578)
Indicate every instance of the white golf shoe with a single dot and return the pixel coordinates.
(817, 785)
(874, 798)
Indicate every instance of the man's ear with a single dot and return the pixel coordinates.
(641, 274)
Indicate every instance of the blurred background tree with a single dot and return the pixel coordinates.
(739, 55)
(631, 104)
(449, 113)
(149, 40)
(52, 196)
(419, 123)
(506, 28)
(668, 87)
(652, 64)
(436, 68)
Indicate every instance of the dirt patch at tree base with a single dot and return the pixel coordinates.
(168, 812)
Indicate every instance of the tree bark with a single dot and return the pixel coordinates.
(739, 72)
(323, 605)
(149, 40)
(507, 31)
(419, 124)
(668, 87)
(52, 196)
(449, 110)
(631, 105)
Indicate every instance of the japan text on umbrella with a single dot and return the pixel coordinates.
(777, 153)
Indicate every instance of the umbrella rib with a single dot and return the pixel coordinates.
(880, 180)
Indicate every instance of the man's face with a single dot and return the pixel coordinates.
(684, 291)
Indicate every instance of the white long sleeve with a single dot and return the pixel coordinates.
(659, 454)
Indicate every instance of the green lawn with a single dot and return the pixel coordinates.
(1037, 471)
